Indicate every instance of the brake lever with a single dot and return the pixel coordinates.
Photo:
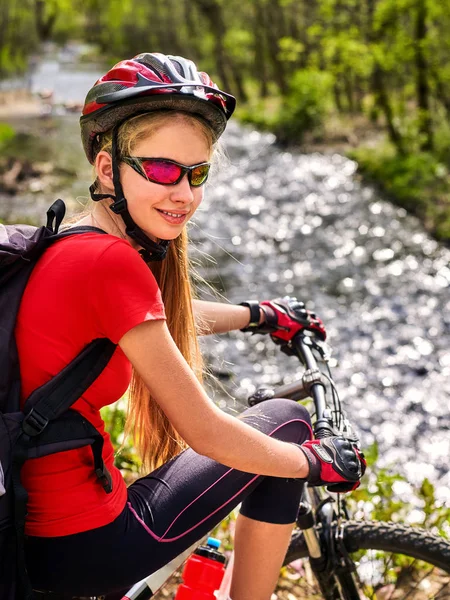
(324, 350)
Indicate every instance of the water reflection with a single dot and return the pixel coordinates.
(368, 269)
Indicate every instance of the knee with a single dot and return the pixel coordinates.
(280, 418)
(286, 409)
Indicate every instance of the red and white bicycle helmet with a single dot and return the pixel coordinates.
(147, 82)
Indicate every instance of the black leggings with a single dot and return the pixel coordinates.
(168, 511)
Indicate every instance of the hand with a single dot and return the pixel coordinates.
(335, 462)
(283, 319)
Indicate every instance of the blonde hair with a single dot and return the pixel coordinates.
(154, 436)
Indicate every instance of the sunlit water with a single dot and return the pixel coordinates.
(276, 223)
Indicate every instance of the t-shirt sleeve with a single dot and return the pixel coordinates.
(123, 291)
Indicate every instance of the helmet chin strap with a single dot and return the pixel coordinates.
(151, 251)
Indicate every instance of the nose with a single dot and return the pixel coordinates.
(182, 192)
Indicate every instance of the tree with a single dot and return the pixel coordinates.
(422, 85)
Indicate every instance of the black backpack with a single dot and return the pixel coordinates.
(45, 425)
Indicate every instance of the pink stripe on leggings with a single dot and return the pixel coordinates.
(163, 537)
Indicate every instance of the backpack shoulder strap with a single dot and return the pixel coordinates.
(55, 215)
(46, 404)
(56, 396)
(79, 229)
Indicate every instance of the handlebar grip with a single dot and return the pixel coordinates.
(324, 430)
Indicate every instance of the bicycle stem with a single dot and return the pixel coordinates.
(322, 427)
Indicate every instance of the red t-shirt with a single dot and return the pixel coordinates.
(84, 287)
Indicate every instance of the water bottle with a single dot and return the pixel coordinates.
(202, 573)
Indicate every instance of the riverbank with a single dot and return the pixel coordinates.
(417, 181)
(19, 103)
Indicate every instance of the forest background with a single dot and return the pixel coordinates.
(370, 78)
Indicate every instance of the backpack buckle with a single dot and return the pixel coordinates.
(104, 477)
(34, 423)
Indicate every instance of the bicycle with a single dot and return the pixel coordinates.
(350, 559)
(343, 558)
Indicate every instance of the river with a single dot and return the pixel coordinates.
(275, 223)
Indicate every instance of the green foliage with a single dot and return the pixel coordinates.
(419, 182)
(126, 457)
(7, 134)
(263, 113)
(17, 36)
(238, 43)
(348, 53)
(290, 49)
(305, 106)
(387, 496)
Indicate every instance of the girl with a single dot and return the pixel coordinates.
(149, 127)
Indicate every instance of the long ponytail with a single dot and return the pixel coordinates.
(154, 436)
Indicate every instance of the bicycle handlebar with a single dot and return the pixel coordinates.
(312, 384)
(323, 426)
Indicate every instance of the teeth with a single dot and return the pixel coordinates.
(172, 214)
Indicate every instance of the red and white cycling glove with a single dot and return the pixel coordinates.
(284, 318)
(335, 462)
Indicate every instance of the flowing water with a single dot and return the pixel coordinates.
(276, 223)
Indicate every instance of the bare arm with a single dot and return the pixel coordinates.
(218, 317)
(207, 429)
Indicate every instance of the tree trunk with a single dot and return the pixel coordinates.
(44, 25)
(260, 49)
(359, 95)
(212, 11)
(382, 98)
(170, 17)
(273, 38)
(337, 97)
(193, 28)
(348, 86)
(239, 82)
(4, 22)
(442, 93)
(379, 88)
(422, 85)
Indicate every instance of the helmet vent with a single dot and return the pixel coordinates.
(147, 63)
(103, 88)
(178, 67)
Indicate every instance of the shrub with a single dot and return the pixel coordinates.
(305, 106)
(418, 181)
(7, 134)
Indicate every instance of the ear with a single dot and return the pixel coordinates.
(103, 168)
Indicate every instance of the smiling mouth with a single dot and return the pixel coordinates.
(172, 217)
(172, 214)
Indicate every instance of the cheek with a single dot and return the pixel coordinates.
(198, 197)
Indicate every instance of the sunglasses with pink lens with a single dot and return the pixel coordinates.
(168, 172)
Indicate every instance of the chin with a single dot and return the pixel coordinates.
(163, 235)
